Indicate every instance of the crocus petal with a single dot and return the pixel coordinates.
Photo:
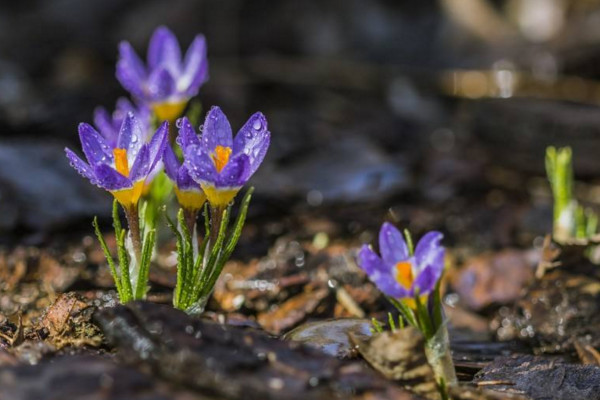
(187, 136)
(104, 123)
(130, 70)
(150, 154)
(81, 166)
(426, 280)
(94, 146)
(429, 252)
(235, 173)
(217, 131)
(130, 136)
(185, 181)
(370, 262)
(164, 50)
(195, 67)
(171, 162)
(161, 85)
(199, 165)
(110, 179)
(253, 140)
(141, 165)
(392, 246)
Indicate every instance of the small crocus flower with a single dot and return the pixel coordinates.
(222, 164)
(189, 193)
(109, 125)
(123, 169)
(167, 82)
(399, 274)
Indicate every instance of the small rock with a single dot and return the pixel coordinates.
(331, 337)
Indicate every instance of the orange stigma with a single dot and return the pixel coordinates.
(404, 274)
(221, 157)
(121, 163)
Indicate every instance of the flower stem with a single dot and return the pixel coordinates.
(133, 221)
(216, 215)
(190, 216)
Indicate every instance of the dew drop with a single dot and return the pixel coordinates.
(257, 125)
(178, 123)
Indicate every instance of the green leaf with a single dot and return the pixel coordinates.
(109, 259)
(391, 322)
(148, 248)
(377, 328)
(124, 266)
(408, 314)
(423, 318)
(239, 223)
(437, 306)
(409, 242)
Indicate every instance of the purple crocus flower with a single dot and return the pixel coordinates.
(109, 125)
(167, 82)
(397, 273)
(189, 193)
(121, 170)
(222, 164)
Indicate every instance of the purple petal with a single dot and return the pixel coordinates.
(195, 67)
(185, 181)
(150, 154)
(426, 280)
(94, 146)
(130, 70)
(217, 131)
(161, 85)
(429, 252)
(379, 273)
(392, 246)
(199, 165)
(370, 262)
(130, 136)
(253, 140)
(164, 50)
(235, 173)
(171, 162)
(110, 179)
(141, 165)
(187, 136)
(81, 166)
(104, 123)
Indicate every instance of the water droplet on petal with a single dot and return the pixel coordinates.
(178, 123)
(257, 125)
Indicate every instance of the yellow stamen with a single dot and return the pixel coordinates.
(168, 111)
(218, 197)
(190, 199)
(121, 163)
(404, 274)
(221, 157)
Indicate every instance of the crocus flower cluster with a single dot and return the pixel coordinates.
(167, 82)
(124, 152)
(399, 274)
(121, 169)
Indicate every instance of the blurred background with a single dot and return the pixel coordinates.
(432, 114)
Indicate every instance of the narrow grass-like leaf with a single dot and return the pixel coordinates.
(408, 314)
(109, 259)
(437, 305)
(376, 326)
(391, 322)
(423, 318)
(239, 223)
(124, 261)
(409, 242)
(148, 248)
